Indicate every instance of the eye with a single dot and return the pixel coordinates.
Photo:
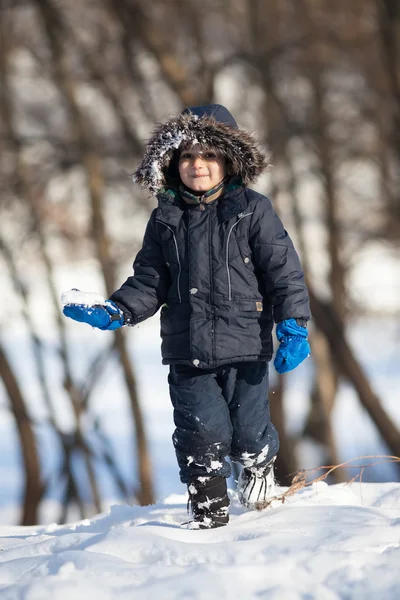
(185, 156)
(210, 155)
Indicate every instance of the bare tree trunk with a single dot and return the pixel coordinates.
(280, 134)
(173, 70)
(389, 32)
(30, 194)
(56, 36)
(315, 60)
(318, 424)
(33, 485)
(286, 463)
(144, 493)
(324, 390)
(329, 322)
(320, 420)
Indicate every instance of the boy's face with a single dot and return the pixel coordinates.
(201, 169)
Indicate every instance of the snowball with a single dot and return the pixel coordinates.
(78, 297)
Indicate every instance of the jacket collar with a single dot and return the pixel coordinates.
(171, 207)
(190, 198)
(232, 203)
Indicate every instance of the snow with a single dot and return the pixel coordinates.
(325, 543)
(75, 296)
(249, 460)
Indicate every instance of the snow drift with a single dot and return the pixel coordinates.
(325, 543)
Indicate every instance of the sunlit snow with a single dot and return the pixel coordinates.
(325, 543)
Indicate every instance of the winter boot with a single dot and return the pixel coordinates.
(256, 486)
(208, 498)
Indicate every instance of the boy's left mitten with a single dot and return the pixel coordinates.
(293, 347)
(92, 309)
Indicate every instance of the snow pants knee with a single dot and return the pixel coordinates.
(219, 413)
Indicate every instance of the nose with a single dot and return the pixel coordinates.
(197, 160)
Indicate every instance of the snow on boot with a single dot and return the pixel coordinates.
(256, 486)
(208, 498)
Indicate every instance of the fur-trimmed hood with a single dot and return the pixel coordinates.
(210, 126)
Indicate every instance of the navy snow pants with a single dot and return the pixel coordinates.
(218, 413)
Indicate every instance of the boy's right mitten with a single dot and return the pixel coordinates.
(293, 347)
(92, 309)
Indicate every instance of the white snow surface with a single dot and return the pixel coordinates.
(75, 296)
(325, 543)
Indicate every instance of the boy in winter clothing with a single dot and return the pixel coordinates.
(218, 262)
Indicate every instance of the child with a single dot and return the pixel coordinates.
(217, 260)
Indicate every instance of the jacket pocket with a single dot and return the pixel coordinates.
(242, 280)
(246, 255)
(230, 236)
(171, 253)
(175, 332)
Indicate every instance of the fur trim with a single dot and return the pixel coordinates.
(239, 147)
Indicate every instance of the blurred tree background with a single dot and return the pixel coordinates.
(82, 85)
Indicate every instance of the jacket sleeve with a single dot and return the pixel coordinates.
(142, 294)
(278, 263)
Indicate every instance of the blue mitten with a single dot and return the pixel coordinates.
(293, 347)
(101, 314)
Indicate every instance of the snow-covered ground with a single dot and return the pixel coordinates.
(325, 543)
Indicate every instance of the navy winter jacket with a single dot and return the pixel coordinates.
(222, 273)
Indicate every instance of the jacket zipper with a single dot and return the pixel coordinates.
(178, 259)
(227, 252)
(211, 290)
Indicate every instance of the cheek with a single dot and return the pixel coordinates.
(220, 170)
(182, 168)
